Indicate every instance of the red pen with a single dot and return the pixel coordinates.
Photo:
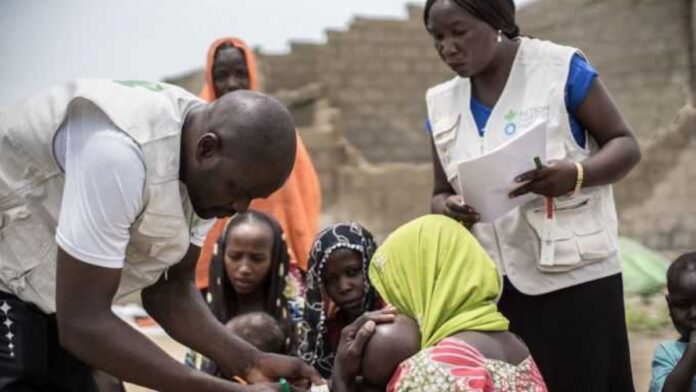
(549, 200)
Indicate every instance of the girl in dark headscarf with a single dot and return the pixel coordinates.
(338, 291)
(249, 273)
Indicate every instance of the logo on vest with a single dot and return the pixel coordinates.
(530, 116)
(524, 118)
(511, 126)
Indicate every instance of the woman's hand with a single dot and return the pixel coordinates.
(556, 179)
(457, 209)
(350, 348)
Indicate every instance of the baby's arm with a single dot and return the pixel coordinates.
(682, 375)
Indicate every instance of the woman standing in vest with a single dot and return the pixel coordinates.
(563, 289)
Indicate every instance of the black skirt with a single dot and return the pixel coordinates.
(576, 335)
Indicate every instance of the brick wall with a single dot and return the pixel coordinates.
(375, 73)
(656, 202)
(383, 197)
(379, 196)
(287, 72)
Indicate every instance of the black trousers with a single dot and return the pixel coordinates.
(576, 335)
(31, 357)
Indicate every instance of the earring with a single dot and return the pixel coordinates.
(500, 36)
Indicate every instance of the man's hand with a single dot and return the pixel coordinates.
(271, 367)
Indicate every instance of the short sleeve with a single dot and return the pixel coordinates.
(580, 78)
(199, 229)
(662, 365)
(102, 196)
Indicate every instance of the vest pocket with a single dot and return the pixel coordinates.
(445, 129)
(577, 236)
(26, 243)
(159, 235)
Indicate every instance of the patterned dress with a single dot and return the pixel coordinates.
(455, 366)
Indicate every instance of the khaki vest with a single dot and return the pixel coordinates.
(31, 183)
(537, 255)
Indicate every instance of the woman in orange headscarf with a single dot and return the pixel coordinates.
(231, 66)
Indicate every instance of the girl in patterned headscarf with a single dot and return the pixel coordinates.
(338, 291)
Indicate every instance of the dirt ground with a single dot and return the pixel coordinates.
(169, 345)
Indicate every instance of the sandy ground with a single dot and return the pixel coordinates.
(169, 345)
(642, 347)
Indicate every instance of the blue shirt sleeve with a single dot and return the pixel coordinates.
(580, 78)
(581, 75)
(666, 357)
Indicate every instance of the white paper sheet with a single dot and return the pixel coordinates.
(487, 180)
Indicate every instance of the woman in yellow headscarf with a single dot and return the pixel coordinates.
(231, 66)
(435, 272)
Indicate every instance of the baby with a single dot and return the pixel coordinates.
(259, 329)
(674, 363)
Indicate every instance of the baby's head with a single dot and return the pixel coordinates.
(681, 297)
(261, 330)
(391, 344)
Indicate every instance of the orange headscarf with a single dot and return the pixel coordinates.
(296, 205)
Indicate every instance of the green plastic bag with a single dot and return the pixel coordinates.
(644, 270)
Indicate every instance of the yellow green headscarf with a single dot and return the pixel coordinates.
(434, 271)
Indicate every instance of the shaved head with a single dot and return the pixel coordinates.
(391, 344)
(254, 127)
(238, 148)
(259, 329)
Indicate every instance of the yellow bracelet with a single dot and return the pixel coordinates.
(579, 179)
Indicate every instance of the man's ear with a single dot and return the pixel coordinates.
(207, 146)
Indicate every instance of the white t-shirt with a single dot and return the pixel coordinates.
(103, 193)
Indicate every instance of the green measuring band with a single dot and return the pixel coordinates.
(284, 385)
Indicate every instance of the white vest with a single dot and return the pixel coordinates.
(31, 183)
(582, 240)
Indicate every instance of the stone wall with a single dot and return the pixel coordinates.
(376, 72)
(379, 196)
(287, 72)
(641, 48)
(656, 201)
